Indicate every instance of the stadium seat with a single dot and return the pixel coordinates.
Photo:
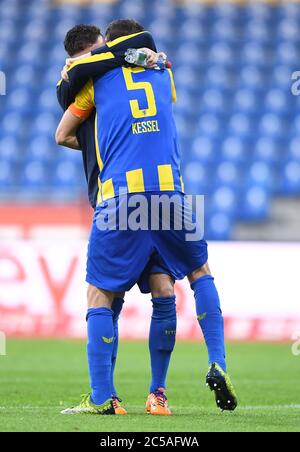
(5, 175)
(255, 205)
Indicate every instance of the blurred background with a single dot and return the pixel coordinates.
(239, 127)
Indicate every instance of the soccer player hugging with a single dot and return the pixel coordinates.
(129, 114)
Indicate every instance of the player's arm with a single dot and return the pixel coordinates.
(102, 60)
(76, 114)
(64, 95)
(135, 41)
(66, 131)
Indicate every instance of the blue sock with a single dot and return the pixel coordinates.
(117, 308)
(100, 349)
(162, 339)
(210, 319)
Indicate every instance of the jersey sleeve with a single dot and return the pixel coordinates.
(134, 41)
(174, 92)
(84, 103)
(105, 59)
(63, 94)
(95, 66)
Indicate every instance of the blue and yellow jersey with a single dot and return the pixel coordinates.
(104, 59)
(136, 138)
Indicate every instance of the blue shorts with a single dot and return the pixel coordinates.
(120, 256)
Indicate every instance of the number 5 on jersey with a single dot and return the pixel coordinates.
(131, 85)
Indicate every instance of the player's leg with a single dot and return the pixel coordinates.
(161, 340)
(100, 343)
(183, 253)
(117, 307)
(100, 351)
(209, 314)
(211, 321)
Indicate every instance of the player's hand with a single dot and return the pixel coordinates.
(64, 73)
(153, 57)
(162, 56)
(70, 61)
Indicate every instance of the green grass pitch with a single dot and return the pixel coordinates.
(39, 378)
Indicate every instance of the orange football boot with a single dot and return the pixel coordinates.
(119, 409)
(157, 404)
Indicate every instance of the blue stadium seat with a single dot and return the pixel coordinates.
(220, 227)
(256, 205)
(272, 125)
(24, 75)
(214, 101)
(30, 53)
(288, 30)
(267, 149)
(218, 76)
(19, 100)
(204, 149)
(260, 175)
(241, 125)
(41, 148)
(252, 77)
(246, 101)
(226, 30)
(6, 179)
(196, 178)
(294, 149)
(258, 31)
(12, 123)
(234, 149)
(65, 174)
(45, 123)
(225, 200)
(47, 101)
(287, 53)
(9, 149)
(35, 175)
(291, 178)
(281, 77)
(276, 101)
(210, 124)
(228, 174)
(222, 54)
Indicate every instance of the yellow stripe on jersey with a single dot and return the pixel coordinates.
(108, 191)
(135, 181)
(99, 159)
(99, 196)
(166, 179)
(182, 184)
(60, 82)
(93, 59)
(174, 92)
(122, 39)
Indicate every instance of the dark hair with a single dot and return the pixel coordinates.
(80, 37)
(122, 27)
